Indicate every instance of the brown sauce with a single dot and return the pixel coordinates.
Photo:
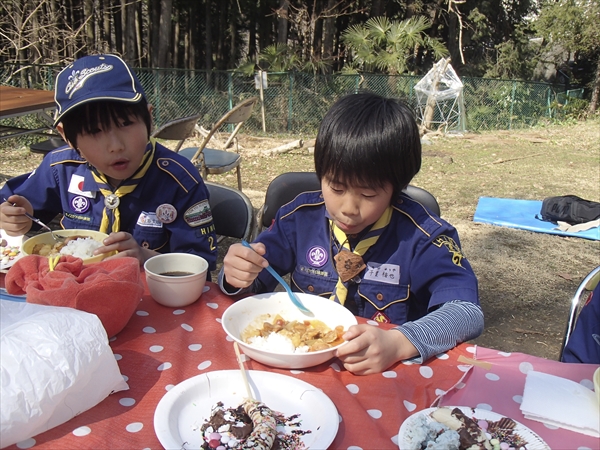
(176, 273)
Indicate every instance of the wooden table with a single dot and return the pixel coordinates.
(161, 347)
(16, 102)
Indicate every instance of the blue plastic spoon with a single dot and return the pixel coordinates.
(293, 297)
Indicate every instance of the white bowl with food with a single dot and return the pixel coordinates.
(79, 243)
(176, 279)
(291, 339)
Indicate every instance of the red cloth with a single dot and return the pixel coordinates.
(110, 289)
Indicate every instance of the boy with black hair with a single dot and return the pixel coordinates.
(363, 243)
(112, 177)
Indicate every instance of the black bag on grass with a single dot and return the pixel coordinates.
(570, 209)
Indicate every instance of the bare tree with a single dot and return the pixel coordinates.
(34, 32)
(305, 26)
(282, 21)
(128, 21)
(208, 37)
(164, 31)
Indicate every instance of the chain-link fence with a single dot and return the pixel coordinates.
(295, 102)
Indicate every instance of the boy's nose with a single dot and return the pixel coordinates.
(349, 206)
(113, 140)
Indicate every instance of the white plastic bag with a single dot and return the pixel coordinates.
(55, 364)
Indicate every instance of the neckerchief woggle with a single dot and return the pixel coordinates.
(368, 240)
(111, 214)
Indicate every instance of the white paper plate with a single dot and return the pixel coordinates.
(182, 411)
(534, 442)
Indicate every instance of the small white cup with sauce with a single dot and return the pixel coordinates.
(176, 279)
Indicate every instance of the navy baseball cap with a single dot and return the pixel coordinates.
(93, 78)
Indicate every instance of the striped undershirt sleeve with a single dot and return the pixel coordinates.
(440, 330)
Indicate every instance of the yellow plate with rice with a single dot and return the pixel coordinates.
(76, 247)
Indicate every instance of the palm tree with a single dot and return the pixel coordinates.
(386, 45)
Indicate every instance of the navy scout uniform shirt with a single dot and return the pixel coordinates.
(415, 266)
(63, 183)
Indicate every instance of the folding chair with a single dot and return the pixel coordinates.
(213, 161)
(587, 285)
(232, 212)
(285, 187)
(45, 147)
(177, 130)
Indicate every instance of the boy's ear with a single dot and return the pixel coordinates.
(150, 109)
(61, 131)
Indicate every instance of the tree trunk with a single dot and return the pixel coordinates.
(35, 37)
(329, 30)
(52, 50)
(154, 28)
(233, 52)
(282, 21)
(140, 16)
(118, 26)
(220, 59)
(252, 46)
(192, 38)
(130, 34)
(453, 43)
(164, 46)
(208, 37)
(596, 90)
(265, 25)
(176, 37)
(316, 47)
(106, 30)
(377, 8)
(88, 13)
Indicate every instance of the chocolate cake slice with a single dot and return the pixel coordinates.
(232, 428)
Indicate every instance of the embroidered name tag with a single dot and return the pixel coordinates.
(149, 219)
(77, 217)
(383, 273)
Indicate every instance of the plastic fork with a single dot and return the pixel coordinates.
(293, 297)
(56, 237)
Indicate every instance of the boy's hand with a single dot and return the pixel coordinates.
(12, 217)
(372, 350)
(242, 265)
(125, 245)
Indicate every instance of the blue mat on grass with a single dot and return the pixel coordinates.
(507, 212)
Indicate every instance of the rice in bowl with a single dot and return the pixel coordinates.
(82, 247)
(276, 343)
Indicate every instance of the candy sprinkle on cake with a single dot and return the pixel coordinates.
(251, 425)
(452, 429)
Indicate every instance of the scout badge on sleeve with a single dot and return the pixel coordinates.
(198, 214)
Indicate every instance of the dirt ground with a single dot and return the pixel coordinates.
(526, 279)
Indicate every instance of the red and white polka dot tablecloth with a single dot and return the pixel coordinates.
(496, 384)
(161, 347)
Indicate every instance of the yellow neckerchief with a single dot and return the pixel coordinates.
(126, 187)
(341, 291)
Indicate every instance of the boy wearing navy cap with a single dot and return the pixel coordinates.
(112, 177)
(363, 243)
